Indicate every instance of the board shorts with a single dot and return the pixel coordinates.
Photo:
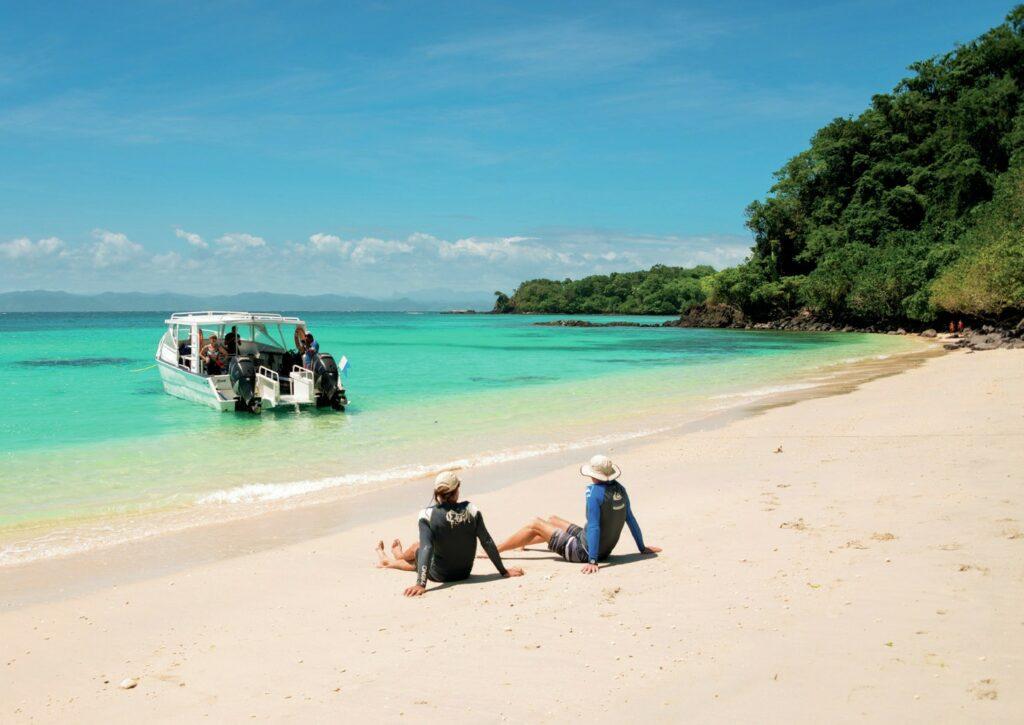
(569, 544)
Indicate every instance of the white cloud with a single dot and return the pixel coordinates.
(192, 238)
(238, 242)
(173, 262)
(372, 266)
(112, 248)
(502, 248)
(370, 250)
(25, 248)
(329, 244)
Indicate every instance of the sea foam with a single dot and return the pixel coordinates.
(264, 492)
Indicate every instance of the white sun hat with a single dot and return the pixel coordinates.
(446, 482)
(601, 468)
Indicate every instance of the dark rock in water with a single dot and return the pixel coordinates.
(711, 315)
(929, 333)
(77, 362)
(587, 323)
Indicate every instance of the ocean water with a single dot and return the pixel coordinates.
(92, 451)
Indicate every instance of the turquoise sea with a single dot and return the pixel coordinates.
(93, 451)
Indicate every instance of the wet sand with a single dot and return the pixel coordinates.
(872, 569)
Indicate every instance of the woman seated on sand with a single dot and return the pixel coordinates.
(449, 530)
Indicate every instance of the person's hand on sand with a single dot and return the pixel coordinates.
(514, 571)
(415, 591)
(652, 549)
(590, 569)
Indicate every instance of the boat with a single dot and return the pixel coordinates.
(264, 372)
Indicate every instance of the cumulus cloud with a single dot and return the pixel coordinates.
(112, 248)
(239, 242)
(370, 250)
(24, 248)
(373, 266)
(329, 244)
(173, 262)
(192, 238)
(502, 248)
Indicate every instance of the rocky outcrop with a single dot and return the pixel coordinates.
(587, 323)
(724, 316)
(988, 338)
(711, 315)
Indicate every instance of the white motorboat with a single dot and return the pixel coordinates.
(262, 371)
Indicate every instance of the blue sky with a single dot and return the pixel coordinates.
(382, 146)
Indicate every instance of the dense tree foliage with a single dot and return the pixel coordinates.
(910, 210)
(659, 291)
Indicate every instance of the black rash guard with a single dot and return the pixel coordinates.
(448, 536)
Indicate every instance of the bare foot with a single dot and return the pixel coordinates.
(396, 549)
(380, 552)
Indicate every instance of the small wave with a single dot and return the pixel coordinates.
(264, 492)
(761, 392)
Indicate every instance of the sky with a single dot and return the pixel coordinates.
(375, 148)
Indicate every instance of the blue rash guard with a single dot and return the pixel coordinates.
(607, 510)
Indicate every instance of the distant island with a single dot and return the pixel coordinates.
(49, 301)
(909, 215)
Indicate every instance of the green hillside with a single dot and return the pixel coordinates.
(909, 212)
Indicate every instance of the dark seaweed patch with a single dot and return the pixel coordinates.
(76, 362)
(515, 379)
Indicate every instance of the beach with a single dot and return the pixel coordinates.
(847, 557)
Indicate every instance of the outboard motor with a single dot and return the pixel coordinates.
(329, 390)
(242, 373)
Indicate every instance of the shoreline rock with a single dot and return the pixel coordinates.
(726, 317)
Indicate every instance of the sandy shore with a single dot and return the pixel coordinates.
(873, 569)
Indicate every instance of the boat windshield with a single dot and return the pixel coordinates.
(269, 335)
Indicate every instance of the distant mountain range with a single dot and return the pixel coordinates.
(419, 301)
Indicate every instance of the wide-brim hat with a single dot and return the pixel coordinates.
(446, 482)
(601, 468)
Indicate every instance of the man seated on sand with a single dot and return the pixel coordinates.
(608, 509)
(449, 530)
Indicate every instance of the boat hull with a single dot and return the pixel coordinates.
(189, 386)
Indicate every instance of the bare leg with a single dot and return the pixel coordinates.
(559, 522)
(400, 565)
(379, 549)
(536, 532)
(409, 554)
(403, 560)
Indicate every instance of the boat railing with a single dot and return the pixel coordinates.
(268, 373)
(302, 383)
(268, 384)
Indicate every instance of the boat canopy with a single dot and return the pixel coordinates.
(220, 317)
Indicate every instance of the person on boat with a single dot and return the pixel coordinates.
(300, 339)
(231, 341)
(449, 531)
(215, 357)
(311, 349)
(608, 510)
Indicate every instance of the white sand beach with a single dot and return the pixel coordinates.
(873, 570)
